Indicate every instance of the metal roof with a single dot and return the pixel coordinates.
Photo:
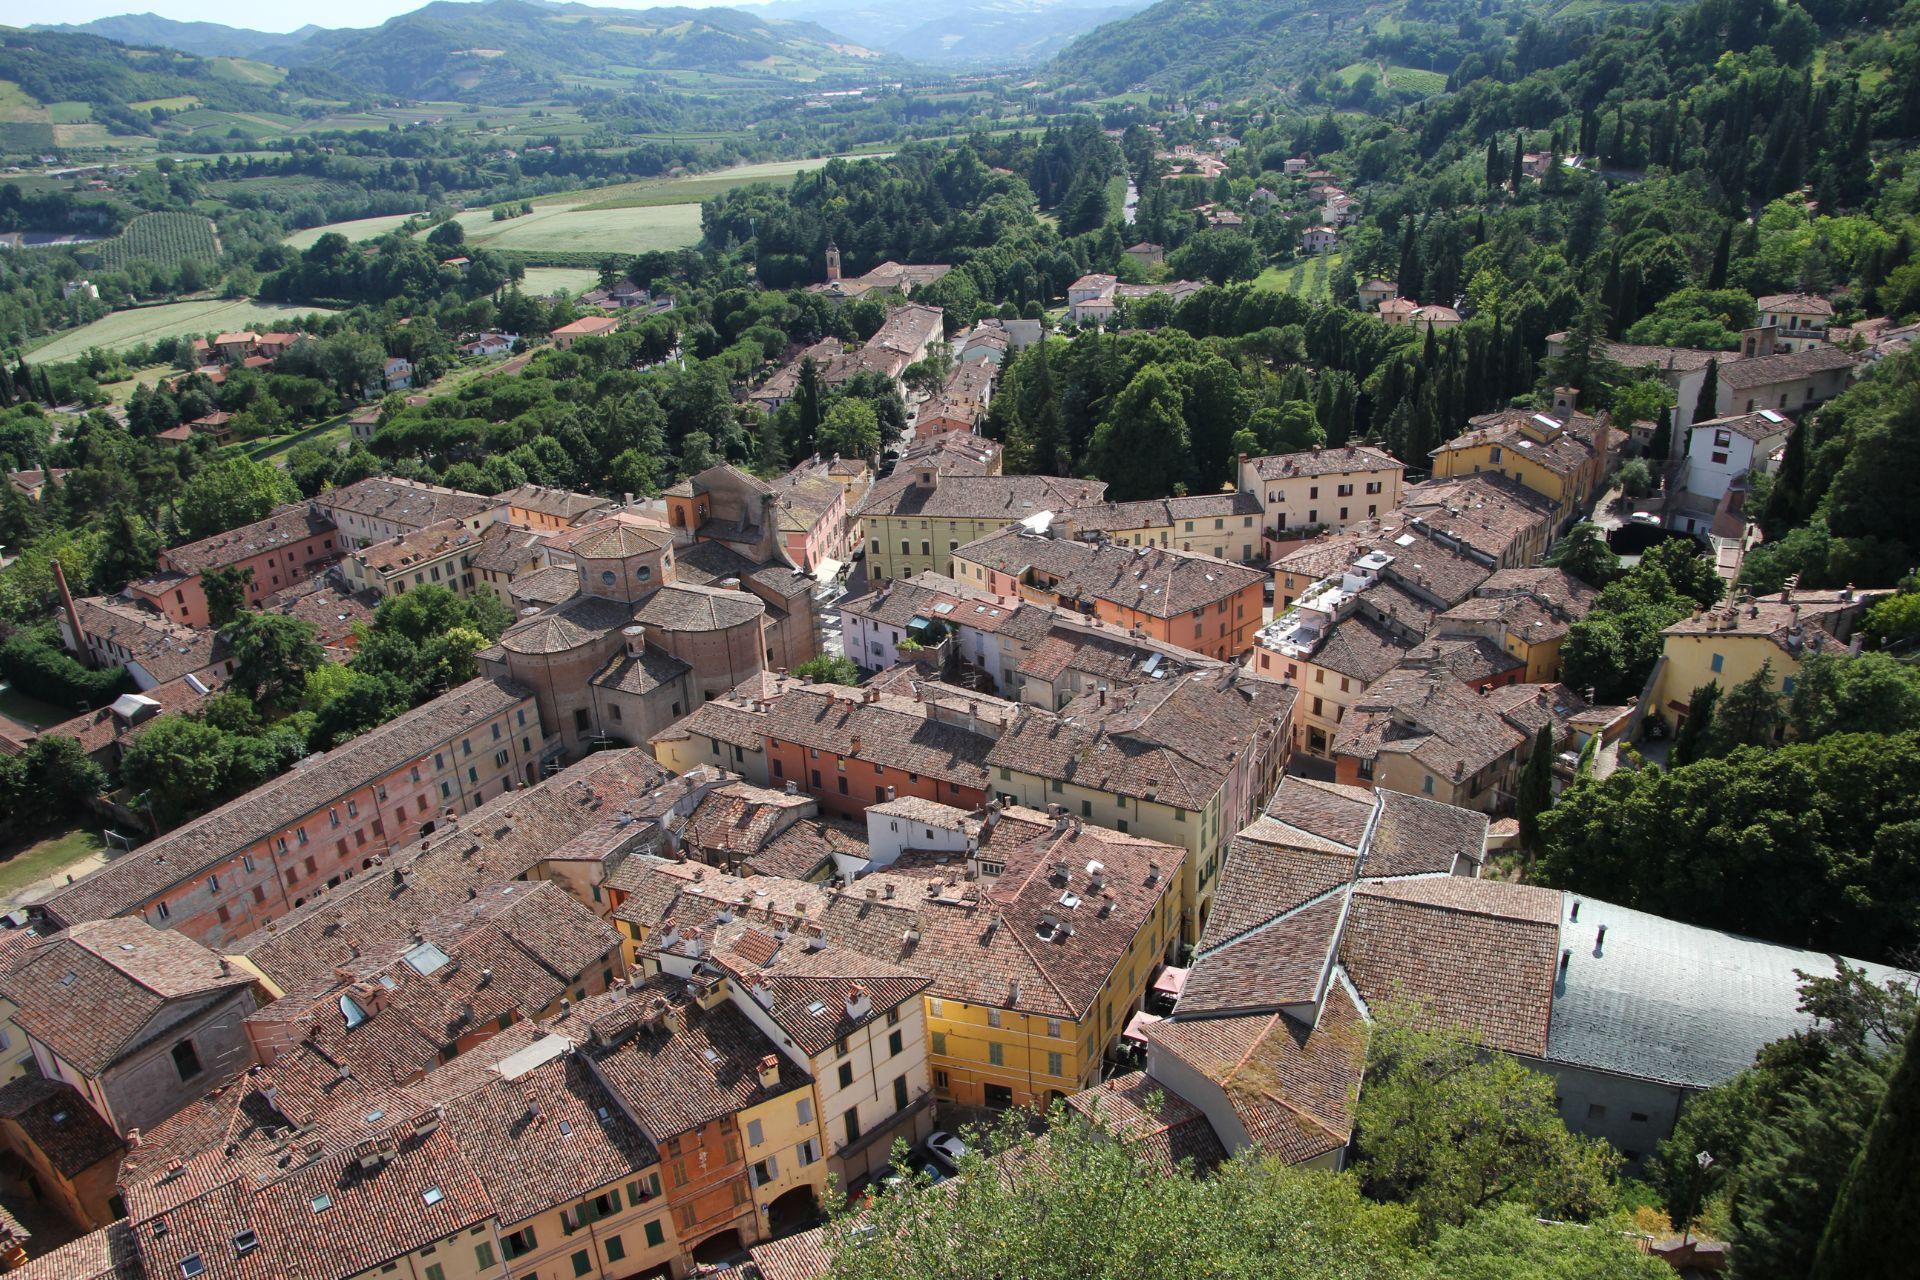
(1672, 1002)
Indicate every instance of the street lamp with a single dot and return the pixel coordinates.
(1703, 1161)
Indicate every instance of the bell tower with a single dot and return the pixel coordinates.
(833, 262)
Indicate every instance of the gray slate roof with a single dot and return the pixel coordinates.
(1673, 1002)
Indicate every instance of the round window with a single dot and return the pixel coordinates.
(643, 573)
(607, 577)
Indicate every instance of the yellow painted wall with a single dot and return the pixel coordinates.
(1689, 665)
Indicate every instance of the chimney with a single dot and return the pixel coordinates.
(858, 1005)
(853, 748)
(769, 1072)
(636, 640)
(73, 616)
(1600, 939)
(793, 788)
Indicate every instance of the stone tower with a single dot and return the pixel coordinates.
(833, 262)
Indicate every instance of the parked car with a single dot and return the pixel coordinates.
(945, 1149)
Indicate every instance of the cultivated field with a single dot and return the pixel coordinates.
(1310, 278)
(630, 217)
(124, 329)
(573, 228)
(358, 229)
(164, 238)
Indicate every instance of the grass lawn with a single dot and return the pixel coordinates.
(575, 280)
(122, 391)
(327, 435)
(26, 863)
(145, 324)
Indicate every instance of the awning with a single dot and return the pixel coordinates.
(829, 569)
(1172, 981)
(1137, 1026)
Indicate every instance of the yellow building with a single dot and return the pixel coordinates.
(1562, 455)
(916, 518)
(1524, 611)
(1041, 943)
(1728, 643)
(1187, 761)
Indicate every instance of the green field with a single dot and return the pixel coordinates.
(1304, 279)
(164, 238)
(544, 280)
(358, 229)
(567, 228)
(145, 324)
(628, 217)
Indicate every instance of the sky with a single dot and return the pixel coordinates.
(275, 17)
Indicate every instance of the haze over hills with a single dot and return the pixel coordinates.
(505, 48)
(559, 38)
(209, 39)
(992, 32)
(1178, 44)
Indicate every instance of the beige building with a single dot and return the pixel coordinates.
(918, 517)
(1301, 494)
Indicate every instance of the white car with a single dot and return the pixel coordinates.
(945, 1148)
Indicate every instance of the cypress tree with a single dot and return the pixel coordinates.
(1661, 446)
(1493, 161)
(1717, 277)
(1535, 794)
(1519, 162)
(1699, 722)
(1876, 1221)
(1789, 486)
(1703, 408)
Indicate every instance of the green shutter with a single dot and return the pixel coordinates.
(655, 1236)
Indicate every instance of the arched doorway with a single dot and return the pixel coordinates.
(795, 1210)
(724, 1247)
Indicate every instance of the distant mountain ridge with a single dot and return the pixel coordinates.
(1178, 45)
(208, 39)
(987, 33)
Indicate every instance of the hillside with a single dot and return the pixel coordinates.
(53, 83)
(993, 32)
(1231, 45)
(207, 39)
(505, 49)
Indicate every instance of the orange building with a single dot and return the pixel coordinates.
(228, 872)
(1198, 602)
(286, 548)
(850, 748)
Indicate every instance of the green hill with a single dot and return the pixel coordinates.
(208, 39)
(54, 78)
(1180, 46)
(508, 49)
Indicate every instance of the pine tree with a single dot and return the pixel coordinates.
(1750, 715)
(1703, 408)
(1535, 794)
(1875, 1223)
(1693, 731)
